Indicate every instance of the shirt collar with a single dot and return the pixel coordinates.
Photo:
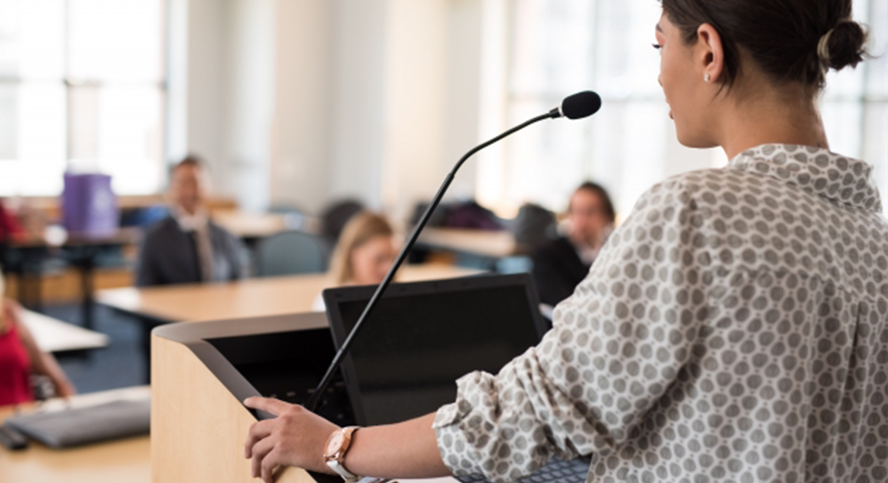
(189, 223)
(586, 253)
(815, 170)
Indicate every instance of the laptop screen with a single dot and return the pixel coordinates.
(423, 336)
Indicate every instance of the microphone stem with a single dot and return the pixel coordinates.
(334, 365)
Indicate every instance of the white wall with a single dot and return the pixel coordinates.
(177, 79)
(433, 98)
(415, 101)
(250, 100)
(463, 91)
(358, 104)
(204, 96)
(304, 102)
(303, 115)
(433, 79)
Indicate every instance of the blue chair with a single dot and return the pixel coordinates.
(290, 253)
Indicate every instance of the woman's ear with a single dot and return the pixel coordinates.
(711, 53)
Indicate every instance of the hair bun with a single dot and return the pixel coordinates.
(844, 45)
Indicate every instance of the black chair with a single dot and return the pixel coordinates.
(335, 217)
(534, 226)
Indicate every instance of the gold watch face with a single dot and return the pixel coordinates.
(334, 444)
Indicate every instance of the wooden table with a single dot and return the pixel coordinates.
(53, 335)
(247, 225)
(247, 298)
(120, 236)
(126, 460)
(490, 244)
(256, 297)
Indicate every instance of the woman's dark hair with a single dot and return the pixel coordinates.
(782, 36)
(606, 203)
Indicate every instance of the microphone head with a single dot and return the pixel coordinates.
(580, 105)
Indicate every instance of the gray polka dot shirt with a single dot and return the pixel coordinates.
(734, 328)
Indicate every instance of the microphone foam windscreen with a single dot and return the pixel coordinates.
(580, 105)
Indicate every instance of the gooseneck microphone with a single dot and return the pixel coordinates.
(580, 105)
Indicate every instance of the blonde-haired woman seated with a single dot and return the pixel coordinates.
(364, 254)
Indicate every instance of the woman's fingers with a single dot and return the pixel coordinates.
(65, 389)
(269, 405)
(298, 438)
(259, 452)
(258, 432)
(269, 463)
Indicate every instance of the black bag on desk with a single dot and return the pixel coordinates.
(80, 426)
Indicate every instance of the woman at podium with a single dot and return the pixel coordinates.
(734, 327)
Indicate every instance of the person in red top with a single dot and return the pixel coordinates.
(10, 227)
(20, 357)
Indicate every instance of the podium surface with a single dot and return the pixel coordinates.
(198, 422)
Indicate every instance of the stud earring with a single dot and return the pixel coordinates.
(706, 78)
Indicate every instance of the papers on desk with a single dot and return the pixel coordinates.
(53, 335)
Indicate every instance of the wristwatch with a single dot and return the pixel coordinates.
(334, 453)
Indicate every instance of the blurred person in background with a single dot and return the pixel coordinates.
(561, 265)
(187, 247)
(363, 255)
(11, 230)
(10, 227)
(20, 358)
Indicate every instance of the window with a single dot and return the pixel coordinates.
(559, 47)
(81, 88)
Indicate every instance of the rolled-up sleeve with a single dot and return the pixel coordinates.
(615, 347)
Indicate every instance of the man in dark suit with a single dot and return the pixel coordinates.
(561, 265)
(187, 247)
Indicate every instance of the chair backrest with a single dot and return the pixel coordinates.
(290, 253)
(335, 217)
(534, 227)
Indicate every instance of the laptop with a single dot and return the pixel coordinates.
(423, 336)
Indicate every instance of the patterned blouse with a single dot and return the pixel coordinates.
(734, 328)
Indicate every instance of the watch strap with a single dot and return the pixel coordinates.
(340, 470)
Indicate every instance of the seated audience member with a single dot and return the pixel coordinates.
(10, 227)
(10, 230)
(20, 357)
(187, 247)
(562, 264)
(364, 254)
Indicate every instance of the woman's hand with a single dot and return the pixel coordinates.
(9, 314)
(63, 387)
(41, 362)
(296, 437)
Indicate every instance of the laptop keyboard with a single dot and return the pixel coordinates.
(573, 471)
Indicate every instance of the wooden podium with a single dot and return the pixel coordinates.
(198, 422)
